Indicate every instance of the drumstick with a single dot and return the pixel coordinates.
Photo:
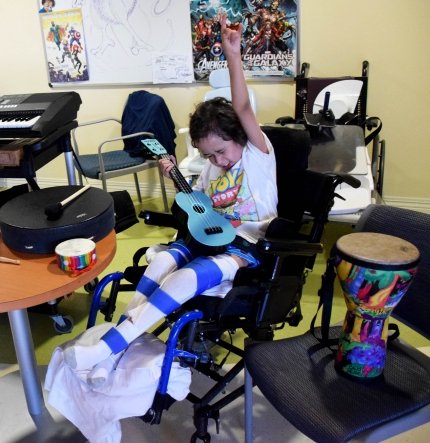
(55, 210)
(9, 260)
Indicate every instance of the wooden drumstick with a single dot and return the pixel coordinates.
(9, 260)
(55, 211)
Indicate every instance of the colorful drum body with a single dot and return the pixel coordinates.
(76, 254)
(374, 271)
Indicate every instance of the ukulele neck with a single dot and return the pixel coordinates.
(178, 178)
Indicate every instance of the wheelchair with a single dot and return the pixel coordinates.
(261, 301)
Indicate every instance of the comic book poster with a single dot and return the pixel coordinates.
(64, 46)
(269, 36)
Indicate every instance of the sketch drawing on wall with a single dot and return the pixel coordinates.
(122, 35)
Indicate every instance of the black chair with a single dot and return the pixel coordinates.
(261, 300)
(298, 377)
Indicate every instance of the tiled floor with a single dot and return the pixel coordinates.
(15, 426)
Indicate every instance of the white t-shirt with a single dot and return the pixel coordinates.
(247, 193)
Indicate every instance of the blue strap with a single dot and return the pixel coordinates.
(208, 273)
(146, 286)
(253, 262)
(114, 340)
(163, 301)
(181, 254)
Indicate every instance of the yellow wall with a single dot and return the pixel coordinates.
(335, 37)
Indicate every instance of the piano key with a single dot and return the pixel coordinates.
(12, 123)
(36, 115)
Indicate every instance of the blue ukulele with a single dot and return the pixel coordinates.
(204, 224)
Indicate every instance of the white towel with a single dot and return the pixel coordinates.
(129, 391)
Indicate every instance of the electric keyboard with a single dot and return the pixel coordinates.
(36, 115)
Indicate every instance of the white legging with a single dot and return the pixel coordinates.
(172, 278)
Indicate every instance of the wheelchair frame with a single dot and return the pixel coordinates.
(289, 247)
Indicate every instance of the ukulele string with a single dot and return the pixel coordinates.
(188, 191)
(193, 199)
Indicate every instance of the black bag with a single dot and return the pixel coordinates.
(125, 213)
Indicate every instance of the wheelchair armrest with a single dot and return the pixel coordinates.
(341, 177)
(285, 248)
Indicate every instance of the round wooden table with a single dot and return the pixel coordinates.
(36, 280)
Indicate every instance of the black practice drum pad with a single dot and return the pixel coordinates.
(26, 228)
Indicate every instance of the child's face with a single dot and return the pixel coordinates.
(220, 152)
(47, 6)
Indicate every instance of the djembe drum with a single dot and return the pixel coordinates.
(374, 271)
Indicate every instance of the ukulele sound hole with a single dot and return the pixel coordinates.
(213, 230)
(199, 209)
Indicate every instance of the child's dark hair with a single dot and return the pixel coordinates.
(216, 116)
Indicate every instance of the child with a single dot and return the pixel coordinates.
(240, 178)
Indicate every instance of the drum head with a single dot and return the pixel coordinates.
(25, 226)
(382, 251)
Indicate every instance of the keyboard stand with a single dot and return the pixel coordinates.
(40, 153)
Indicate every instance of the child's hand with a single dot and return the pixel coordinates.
(230, 37)
(167, 164)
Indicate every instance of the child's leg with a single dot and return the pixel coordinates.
(178, 287)
(194, 278)
(164, 263)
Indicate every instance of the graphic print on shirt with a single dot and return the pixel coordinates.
(231, 196)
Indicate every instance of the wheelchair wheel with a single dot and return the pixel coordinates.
(64, 324)
(205, 439)
(91, 286)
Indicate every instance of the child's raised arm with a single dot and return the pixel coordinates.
(239, 92)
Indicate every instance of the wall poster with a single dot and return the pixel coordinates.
(121, 41)
(64, 46)
(269, 38)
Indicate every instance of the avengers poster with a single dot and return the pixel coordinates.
(64, 45)
(269, 36)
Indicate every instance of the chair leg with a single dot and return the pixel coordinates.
(163, 191)
(136, 182)
(80, 178)
(104, 185)
(248, 407)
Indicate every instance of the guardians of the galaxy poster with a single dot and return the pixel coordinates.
(269, 36)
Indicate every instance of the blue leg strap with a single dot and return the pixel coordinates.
(163, 301)
(180, 253)
(146, 286)
(114, 340)
(208, 273)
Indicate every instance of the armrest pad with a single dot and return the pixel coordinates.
(341, 177)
